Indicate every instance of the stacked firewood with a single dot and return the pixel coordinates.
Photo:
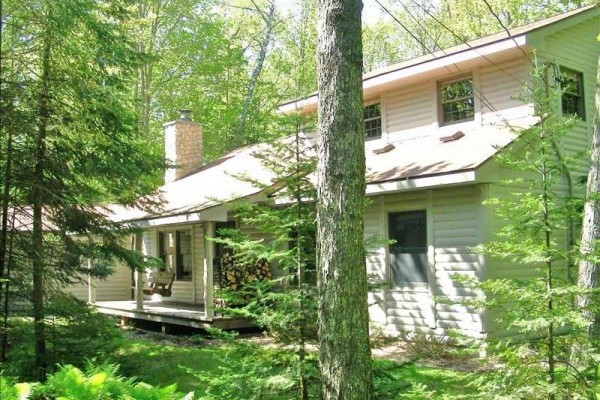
(233, 276)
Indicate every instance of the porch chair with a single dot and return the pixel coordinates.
(160, 282)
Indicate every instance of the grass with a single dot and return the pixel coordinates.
(242, 370)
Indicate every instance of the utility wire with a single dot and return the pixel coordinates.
(476, 90)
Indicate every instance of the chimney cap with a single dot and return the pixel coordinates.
(185, 114)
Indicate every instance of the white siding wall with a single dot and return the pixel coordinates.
(80, 291)
(409, 112)
(576, 48)
(116, 286)
(255, 234)
(452, 221)
(500, 85)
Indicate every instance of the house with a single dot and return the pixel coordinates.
(433, 125)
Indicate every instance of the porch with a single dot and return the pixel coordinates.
(170, 313)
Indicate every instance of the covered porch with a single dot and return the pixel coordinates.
(170, 313)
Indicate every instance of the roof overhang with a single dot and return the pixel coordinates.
(422, 182)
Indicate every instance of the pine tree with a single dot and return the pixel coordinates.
(537, 313)
(70, 65)
(284, 304)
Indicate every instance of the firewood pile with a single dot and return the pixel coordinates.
(233, 276)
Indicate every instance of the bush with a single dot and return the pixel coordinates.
(97, 383)
(74, 334)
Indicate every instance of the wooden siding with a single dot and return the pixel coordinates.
(576, 48)
(500, 85)
(116, 287)
(409, 111)
(453, 227)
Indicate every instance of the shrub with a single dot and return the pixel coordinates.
(74, 334)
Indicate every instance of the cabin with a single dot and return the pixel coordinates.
(433, 125)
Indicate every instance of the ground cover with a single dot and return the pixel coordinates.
(252, 367)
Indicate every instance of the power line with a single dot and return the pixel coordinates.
(476, 90)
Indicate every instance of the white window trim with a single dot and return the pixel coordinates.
(411, 286)
(370, 102)
(437, 104)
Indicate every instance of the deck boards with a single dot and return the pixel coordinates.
(171, 313)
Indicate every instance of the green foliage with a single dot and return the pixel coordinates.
(538, 326)
(8, 390)
(96, 383)
(284, 305)
(75, 333)
(249, 372)
(236, 370)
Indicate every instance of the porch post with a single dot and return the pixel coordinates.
(139, 276)
(91, 287)
(209, 247)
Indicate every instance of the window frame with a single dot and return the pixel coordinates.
(424, 271)
(580, 112)
(456, 79)
(176, 264)
(380, 118)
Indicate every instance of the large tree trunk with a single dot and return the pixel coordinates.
(345, 355)
(37, 235)
(589, 271)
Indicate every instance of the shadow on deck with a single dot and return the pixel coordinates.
(170, 313)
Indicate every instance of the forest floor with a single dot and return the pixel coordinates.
(255, 366)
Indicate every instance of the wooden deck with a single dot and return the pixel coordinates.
(170, 313)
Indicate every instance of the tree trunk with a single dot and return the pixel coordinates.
(589, 271)
(269, 21)
(345, 355)
(37, 237)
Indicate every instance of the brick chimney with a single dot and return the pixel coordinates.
(183, 146)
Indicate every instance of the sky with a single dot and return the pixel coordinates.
(371, 10)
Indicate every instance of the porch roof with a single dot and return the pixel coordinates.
(414, 159)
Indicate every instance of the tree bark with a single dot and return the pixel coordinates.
(589, 271)
(269, 21)
(345, 355)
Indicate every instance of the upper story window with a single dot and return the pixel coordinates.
(175, 250)
(373, 121)
(408, 255)
(457, 103)
(571, 83)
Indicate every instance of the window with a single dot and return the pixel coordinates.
(457, 102)
(175, 250)
(408, 255)
(571, 83)
(372, 114)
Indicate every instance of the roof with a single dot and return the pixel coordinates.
(216, 183)
(503, 41)
(428, 155)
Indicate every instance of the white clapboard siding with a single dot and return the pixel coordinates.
(116, 286)
(500, 85)
(78, 290)
(576, 48)
(254, 233)
(408, 109)
(453, 221)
